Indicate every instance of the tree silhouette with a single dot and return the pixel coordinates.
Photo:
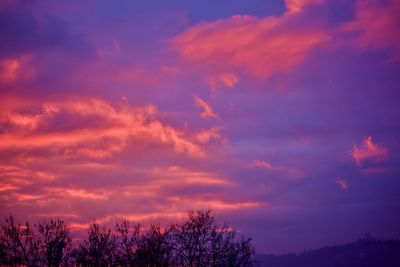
(54, 237)
(19, 244)
(156, 248)
(127, 241)
(200, 242)
(98, 249)
(197, 242)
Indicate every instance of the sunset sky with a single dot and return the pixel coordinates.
(283, 117)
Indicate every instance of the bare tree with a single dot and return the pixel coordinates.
(127, 241)
(98, 250)
(155, 248)
(200, 242)
(19, 244)
(54, 236)
(197, 242)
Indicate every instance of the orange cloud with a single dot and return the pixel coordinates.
(215, 204)
(175, 175)
(107, 145)
(206, 136)
(208, 112)
(258, 46)
(376, 25)
(176, 209)
(261, 164)
(368, 151)
(111, 133)
(7, 187)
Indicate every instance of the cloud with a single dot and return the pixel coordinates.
(342, 184)
(208, 135)
(226, 79)
(261, 164)
(109, 130)
(78, 193)
(175, 175)
(294, 6)
(9, 69)
(86, 157)
(368, 151)
(257, 46)
(215, 204)
(376, 25)
(208, 112)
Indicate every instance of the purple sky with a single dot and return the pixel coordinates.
(281, 116)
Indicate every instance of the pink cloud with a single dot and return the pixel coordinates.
(298, 5)
(12, 69)
(78, 193)
(208, 135)
(9, 69)
(215, 204)
(112, 131)
(261, 164)
(207, 109)
(376, 25)
(7, 187)
(225, 79)
(174, 175)
(257, 46)
(368, 151)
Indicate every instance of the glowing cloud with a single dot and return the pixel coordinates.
(227, 79)
(368, 151)
(376, 25)
(261, 164)
(113, 129)
(206, 136)
(298, 5)
(208, 112)
(266, 45)
(175, 175)
(79, 193)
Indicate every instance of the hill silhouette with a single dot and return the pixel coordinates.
(365, 252)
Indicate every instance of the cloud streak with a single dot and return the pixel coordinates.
(207, 110)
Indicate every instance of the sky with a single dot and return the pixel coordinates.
(281, 116)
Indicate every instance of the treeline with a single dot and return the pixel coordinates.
(198, 241)
(365, 252)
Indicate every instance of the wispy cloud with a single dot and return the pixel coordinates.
(261, 164)
(207, 110)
